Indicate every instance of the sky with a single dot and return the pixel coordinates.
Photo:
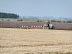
(37, 7)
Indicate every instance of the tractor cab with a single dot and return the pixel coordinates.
(48, 25)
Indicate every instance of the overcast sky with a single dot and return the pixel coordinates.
(37, 7)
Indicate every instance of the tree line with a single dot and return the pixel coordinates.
(8, 15)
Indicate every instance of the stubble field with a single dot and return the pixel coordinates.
(35, 41)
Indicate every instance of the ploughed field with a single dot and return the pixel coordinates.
(35, 41)
(57, 26)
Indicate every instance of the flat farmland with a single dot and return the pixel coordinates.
(35, 41)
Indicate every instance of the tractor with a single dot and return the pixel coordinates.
(48, 25)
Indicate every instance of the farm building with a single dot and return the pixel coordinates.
(35, 25)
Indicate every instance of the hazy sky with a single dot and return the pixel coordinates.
(37, 7)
